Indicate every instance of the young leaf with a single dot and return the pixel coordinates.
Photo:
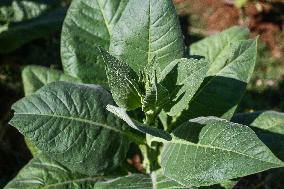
(147, 29)
(209, 150)
(35, 77)
(42, 172)
(123, 82)
(88, 24)
(269, 127)
(156, 96)
(121, 113)
(220, 94)
(216, 48)
(11, 35)
(182, 78)
(69, 123)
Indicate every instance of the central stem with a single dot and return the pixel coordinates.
(151, 153)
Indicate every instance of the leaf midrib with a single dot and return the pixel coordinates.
(175, 141)
(75, 119)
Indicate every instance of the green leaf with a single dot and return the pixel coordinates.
(11, 35)
(240, 3)
(216, 48)
(140, 181)
(182, 78)
(269, 127)
(35, 77)
(42, 172)
(123, 82)
(33, 149)
(156, 97)
(121, 113)
(220, 94)
(147, 29)
(69, 123)
(209, 150)
(88, 24)
(17, 11)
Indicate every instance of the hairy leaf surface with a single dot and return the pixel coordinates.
(42, 172)
(141, 181)
(208, 150)
(69, 123)
(269, 127)
(216, 48)
(147, 29)
(182, 78)
(123, 82)
(220, 94)
(88, 24)
(35, 77)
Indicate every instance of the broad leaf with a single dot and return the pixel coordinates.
(216, 48)
(140, 181)
(11, 35)
(42, 173)
(121, 113)
(147, 29)
(220, 94)
(18, 11)
(182, 78)
(123, 82)
(88, 24)
(69, 123)
(269, 127)
(209, 150)
(35, 77)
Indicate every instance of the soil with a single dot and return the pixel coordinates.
(262, 18)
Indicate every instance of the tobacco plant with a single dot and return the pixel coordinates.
(128, 80)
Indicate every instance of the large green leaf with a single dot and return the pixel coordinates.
(21, 10)
(42, 173)
(208, 150)
(123, 82)
(11, 35)
(69, 123)
(121, 113)
(216, 48)
(147, 29)
(88, 24)
(182, 78)
(35, 77)
(269, 127)
(220, 94)
(140, 181)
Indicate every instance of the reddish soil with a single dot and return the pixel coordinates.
(263, 18)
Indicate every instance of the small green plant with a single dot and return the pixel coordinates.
(129, 80)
